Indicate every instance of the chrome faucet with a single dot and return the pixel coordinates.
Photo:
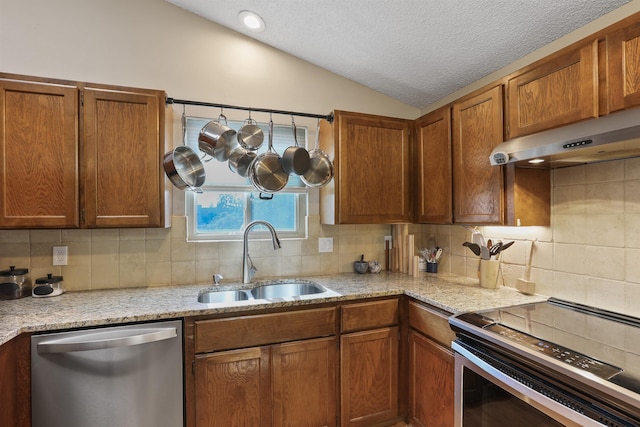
(248, 269)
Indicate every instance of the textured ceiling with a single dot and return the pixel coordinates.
(416, 51)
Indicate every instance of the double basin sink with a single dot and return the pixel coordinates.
(276, 290)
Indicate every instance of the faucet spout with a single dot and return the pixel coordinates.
(248, 269)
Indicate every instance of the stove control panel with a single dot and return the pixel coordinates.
(565, 355)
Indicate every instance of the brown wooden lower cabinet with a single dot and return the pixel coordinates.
(369, 377)
(431, 381)
(291, 384)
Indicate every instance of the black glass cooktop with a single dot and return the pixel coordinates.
(597, 342)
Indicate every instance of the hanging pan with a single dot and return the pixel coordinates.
(183, 166)
(250, 136)
(295, 159)
(320, 169)
(265, 172)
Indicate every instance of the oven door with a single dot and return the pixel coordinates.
(485, 396)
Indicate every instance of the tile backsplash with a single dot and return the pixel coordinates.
(590, 254)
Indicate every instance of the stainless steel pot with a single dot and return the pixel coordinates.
(240, 160)
(295, 159)
(184, 168)
(265, 172)
(320, 170)
(250, 136)
(217, 139)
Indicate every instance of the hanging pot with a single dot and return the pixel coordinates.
(184, 168)
(295, 159)
(265, 172)
(320, 169)
(250, 136)
(240, 160)
(217, 139)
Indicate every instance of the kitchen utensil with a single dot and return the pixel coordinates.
(495, 249)
(320, 166)
(14, 283)
(505, 246)
(265, 172)
(250, 136)
(184, 168)
(295, 159)
(475, 248)
(361, 266)
(524, 284)
(217, 139)
(49, 286)
(484, 253)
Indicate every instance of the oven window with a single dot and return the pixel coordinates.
(487, 405)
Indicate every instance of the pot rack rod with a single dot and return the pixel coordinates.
(327, 117)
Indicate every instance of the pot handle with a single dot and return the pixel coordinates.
(264, 196)
(295, 132)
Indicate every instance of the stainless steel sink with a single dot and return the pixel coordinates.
(274, 290)
(286, 290)
(212, 296)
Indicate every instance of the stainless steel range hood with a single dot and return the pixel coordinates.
(611, 137)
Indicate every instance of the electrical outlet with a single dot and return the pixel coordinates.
(60, 255)
(390, 240)
(325, 244)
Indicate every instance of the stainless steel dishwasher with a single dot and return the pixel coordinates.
(125, 376)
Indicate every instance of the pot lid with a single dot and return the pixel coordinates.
(13, 271)
(49, 279)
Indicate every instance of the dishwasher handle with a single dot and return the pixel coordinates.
(105, 340)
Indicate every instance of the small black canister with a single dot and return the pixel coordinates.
(14, 283)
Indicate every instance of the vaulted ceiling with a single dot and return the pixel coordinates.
(416, 51)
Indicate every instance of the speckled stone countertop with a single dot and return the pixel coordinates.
(454, 294)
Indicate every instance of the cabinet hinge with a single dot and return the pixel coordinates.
(82, 217)
(193, 367)
(82, 98)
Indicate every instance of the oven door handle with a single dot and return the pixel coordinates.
(466, 359)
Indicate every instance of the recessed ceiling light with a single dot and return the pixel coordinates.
(251, 21)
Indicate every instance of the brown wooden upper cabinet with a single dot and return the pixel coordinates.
(477, 186)
(38, 155)
(433, 193)
(123, 181)
(623, 67)
(78, 156)
(372, 170)
(557, 91)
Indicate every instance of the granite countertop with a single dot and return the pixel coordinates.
(451, 293)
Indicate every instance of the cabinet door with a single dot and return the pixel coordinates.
(304, 383)
(123, 148)
(623, 61)
(369, 377)
(433, 168)
(431, 382)
(232, 388)
(560, 91)
(38, 155)
(371, 164)
(477, 186)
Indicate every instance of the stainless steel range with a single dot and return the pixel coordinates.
(546, 364)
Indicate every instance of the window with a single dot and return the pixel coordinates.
(229, 202)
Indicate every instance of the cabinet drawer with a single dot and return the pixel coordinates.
(247, 331)
(368, 315)
(431, 323)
